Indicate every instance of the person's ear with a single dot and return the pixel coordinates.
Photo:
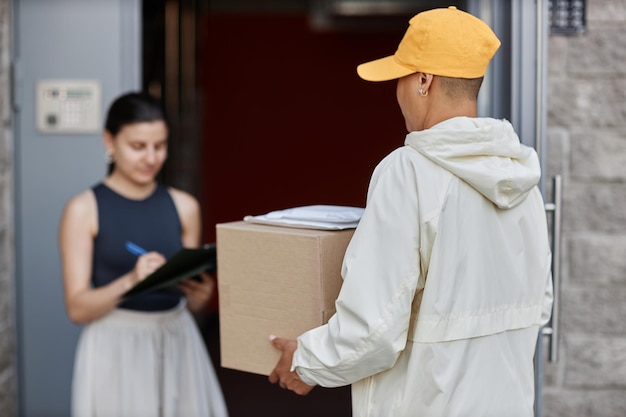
(109, 142)
(425, 80)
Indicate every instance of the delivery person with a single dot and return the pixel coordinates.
(447, 277)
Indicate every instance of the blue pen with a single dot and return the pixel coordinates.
(135, 249)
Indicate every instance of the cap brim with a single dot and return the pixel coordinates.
(383, 69)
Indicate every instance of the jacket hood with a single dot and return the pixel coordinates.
(486, 153)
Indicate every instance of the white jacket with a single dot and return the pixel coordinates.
(446, 281)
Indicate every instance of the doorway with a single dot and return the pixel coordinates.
(270, 114)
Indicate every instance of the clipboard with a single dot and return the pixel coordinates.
(186, 263)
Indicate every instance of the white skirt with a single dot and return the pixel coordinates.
(145, 364)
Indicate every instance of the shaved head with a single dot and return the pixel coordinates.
(461, 88)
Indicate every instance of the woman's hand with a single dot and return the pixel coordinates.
(145, 265)
(198, 293)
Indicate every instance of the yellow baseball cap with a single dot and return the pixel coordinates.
(447, 42)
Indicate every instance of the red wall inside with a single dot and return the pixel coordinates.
(287, 121)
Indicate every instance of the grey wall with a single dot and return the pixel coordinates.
(587, 145)
(8, 372)
(74, 39)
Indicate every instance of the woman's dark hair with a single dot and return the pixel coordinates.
(129, 108)
(133, 107)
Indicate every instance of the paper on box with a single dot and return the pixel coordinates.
(273, 280)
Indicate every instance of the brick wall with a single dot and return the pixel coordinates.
(587, 146)
(8, 380)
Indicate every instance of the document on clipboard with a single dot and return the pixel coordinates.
(186, 263)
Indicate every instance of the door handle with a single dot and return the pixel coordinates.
(551, 330)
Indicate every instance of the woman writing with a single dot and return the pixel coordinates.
(141, 356)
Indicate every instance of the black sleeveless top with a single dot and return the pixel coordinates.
(152, 224)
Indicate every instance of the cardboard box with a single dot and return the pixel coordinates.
(273, 280)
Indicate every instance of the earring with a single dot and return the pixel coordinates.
(108, 157)
(421, 93)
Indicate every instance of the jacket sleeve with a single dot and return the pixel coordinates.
(380, 272)
(548, 300)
